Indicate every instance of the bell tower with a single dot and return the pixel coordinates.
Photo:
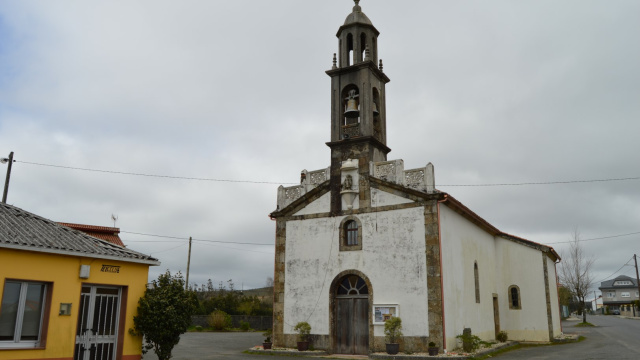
(358, 109)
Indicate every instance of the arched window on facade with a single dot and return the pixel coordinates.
(351, 229)
(352, 285)
(363, 46)
(477, 281)
(350, 234)
(514, 297)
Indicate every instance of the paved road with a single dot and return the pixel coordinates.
(613, 338)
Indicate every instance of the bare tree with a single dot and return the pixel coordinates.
(575, 271)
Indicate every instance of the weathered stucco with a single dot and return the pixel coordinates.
(382, 198)
(501, 264)
(321, 205)
(392, 257)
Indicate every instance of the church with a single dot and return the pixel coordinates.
(365, 239)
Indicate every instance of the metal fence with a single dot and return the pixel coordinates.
(255, 322)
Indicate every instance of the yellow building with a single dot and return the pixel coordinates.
(65, 294)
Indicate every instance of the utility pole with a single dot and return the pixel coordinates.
(595, 300)
(6, 182)
(188, 263)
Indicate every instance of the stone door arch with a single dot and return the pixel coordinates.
(351, 313)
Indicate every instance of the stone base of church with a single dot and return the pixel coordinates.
(323, 342)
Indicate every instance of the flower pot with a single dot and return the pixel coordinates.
(433, 351)
(303, 345)
(393, 349)
(266, 346)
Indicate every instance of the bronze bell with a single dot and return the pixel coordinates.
(352, 109)
(375, 109)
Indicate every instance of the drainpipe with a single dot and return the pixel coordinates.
(444, 333)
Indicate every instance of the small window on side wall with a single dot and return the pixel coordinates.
(350, 234)
(514, 298)
(476, 277)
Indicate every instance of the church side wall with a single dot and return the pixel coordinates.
(392, 258)
(463, 244)
(522, 266)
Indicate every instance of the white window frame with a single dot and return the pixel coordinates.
(625, 294)
(611, 294)
(22, 344)
(623, 282)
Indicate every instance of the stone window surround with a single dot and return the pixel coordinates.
(510, 297)
(343, 234)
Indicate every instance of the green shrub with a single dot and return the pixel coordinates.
(303, 329)
(244, 326)
(267, 335)
(393, 330)
(470, 342)
(432, 344)
(502, 336)
(198, 328)
(219, 320)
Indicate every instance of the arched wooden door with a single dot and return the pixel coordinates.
(352, 316)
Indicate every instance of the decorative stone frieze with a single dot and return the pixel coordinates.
(392, 171)
(422, 179)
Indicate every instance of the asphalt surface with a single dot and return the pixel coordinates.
(214, 345)
(612, 338)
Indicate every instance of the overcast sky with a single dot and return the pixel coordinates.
(488, 91)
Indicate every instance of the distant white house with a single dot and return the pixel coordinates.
(365, 240)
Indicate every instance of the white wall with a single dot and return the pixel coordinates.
(463, 243)
(382, 198)
(392, 257)
(501, 263)
(522, 266)
(321, 205)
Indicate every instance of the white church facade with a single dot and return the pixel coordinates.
(365, 239)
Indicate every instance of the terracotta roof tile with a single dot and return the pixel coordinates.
(109, 234)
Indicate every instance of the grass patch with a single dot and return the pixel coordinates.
(584, 324)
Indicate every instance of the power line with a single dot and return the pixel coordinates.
(202, 240)
(598, 238)
(615, 272)
(154, 175)
(289, 183)
(171, 248)
(545, 182)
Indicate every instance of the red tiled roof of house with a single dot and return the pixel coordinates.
(106, 233)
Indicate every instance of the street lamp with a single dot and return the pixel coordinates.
(6, 182)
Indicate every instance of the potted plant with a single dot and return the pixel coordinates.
(433, 349)
(267, 339)
(392, 333)
(304, 329)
